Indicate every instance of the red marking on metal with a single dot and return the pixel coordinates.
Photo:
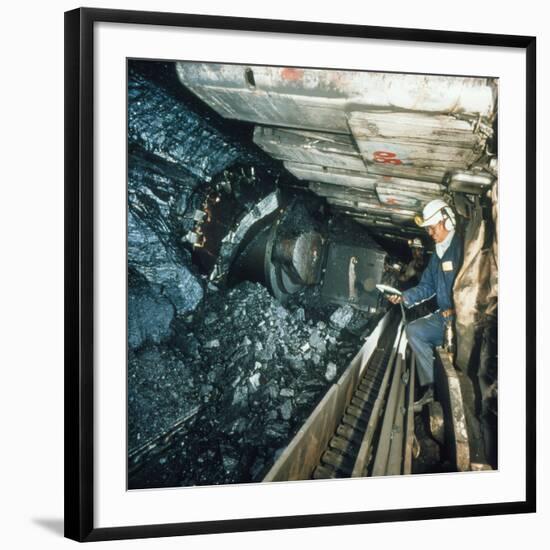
(391, 200)
(292, 74)
(385, 157)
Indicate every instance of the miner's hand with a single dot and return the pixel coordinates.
(395, 299)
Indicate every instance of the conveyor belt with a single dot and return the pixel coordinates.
(342, 451)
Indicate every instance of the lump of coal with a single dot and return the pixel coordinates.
(342, 317)
(254, 381)
(149, 314)
(210, 318)
(317, 341)
(286, 410)
(330, 373)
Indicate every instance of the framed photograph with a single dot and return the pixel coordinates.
(300, 274)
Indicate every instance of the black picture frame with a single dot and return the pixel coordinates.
(79, 272)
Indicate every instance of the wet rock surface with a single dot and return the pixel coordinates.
(160, 124)
(174, 151)
(150, 314)
(254, 369)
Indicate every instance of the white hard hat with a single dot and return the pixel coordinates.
(416, 243)
(434, 212)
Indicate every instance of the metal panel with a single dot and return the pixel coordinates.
(450, 395)
(386, 228)
(315, 99)
(351, 275)
(325, 174)
(375, 209)
(396, 453)
(410, 194)
(267, 95)
(343, 193)
(370, 221)
(325, 150)
(416, 145)
(390, 191)
(407, 199)
(409, 434)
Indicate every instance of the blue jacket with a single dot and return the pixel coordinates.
(438, 278)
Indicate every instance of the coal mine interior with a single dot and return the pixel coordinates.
(250, 287)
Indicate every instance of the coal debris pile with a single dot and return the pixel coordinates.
(249, 370)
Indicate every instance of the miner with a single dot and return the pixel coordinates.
(437, 280)
(412, 271)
